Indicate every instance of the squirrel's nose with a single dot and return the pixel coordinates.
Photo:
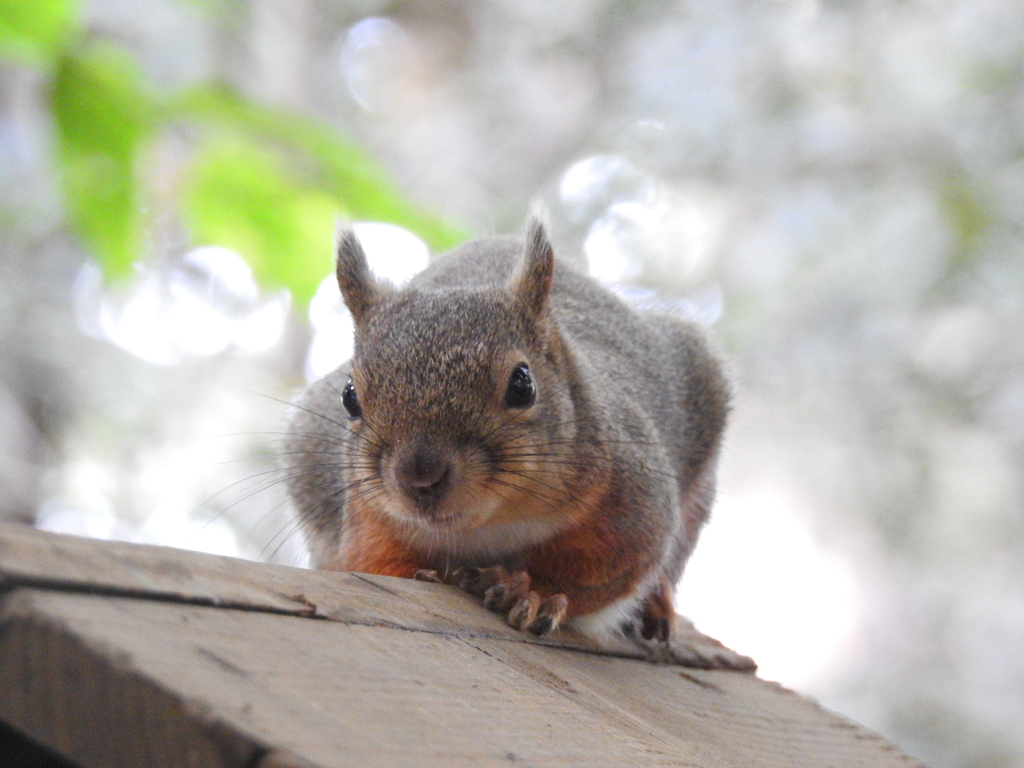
(423, 471)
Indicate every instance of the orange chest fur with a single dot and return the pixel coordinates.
(598, 556)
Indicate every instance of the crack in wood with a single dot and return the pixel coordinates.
(366, 580)
(54, 585)
(697, 681)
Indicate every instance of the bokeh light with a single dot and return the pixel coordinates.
(761, 584)
(204, 304)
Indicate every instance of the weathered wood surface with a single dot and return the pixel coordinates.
(122, 655)
(32, 558)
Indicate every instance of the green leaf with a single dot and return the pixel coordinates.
(239, 196)
(36, 31)
(321, 159)
(966, 214)
(265, 183)
(103, 118)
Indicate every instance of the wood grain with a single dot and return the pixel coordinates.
(122, 655)
(34, 558)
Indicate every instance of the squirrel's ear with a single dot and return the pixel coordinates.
(359, 287)
(532, 281)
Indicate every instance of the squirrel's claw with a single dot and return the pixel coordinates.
(531, 614)
(428, 574)
(504, 595)
(477, 581)
(655, 628)
(550, 615)
(524, 613)
(509, 594)
(657, 617)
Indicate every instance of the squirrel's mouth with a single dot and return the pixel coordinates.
(444, 521)
(452, 512)
(444, 515)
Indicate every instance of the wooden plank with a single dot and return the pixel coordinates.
(90, 704)
(29, 556)
(36, 558)
(284, 691)
(726, 718)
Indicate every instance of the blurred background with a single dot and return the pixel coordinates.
(836, 187)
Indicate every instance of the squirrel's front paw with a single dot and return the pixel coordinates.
(509, 594)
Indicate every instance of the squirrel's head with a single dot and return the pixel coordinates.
(456, 392)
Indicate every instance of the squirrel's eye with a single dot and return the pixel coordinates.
(521, 390)
(350, 401)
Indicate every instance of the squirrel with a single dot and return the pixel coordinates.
(509, 425)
